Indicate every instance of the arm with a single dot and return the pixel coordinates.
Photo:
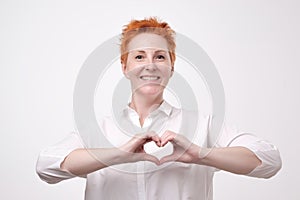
(69, 158)
(238, 160)
(235, 159)
(84, 161)
(50, 159)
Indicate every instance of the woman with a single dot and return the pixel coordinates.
(148, 56)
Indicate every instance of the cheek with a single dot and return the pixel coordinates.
(166, 75)
(166, 71)
(132, 72)
(131, 65)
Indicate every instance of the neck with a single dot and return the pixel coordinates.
(144, 105)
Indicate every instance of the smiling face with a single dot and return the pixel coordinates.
(148, 65)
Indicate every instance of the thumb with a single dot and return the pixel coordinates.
(148, 157)
(168, 158)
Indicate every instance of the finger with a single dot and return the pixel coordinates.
(182, 141)
(138, 138)
(143, 138)
(154, 137)
(164, 138)
(148, 157)
(168, 136)
(135, 143)
(168, 158)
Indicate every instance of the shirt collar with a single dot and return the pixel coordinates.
(164, 107)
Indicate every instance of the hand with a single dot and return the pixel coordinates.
(183, 150)
(134, 148)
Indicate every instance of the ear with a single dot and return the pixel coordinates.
(124, 70)
(172, 71)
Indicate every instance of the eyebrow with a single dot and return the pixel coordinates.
(159, 51)
(143, 51)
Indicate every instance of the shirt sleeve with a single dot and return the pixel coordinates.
(263, 149)
(50, 159)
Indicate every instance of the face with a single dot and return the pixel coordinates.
(148, 65)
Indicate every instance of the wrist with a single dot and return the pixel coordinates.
(204, 152)
(107, 156)
(117, 156)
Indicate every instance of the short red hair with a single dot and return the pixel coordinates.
(147, 25)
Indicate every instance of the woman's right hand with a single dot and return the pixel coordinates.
(133, 150)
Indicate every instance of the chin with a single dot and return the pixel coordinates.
(151, 90)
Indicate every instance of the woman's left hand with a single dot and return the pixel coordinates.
(183, 149)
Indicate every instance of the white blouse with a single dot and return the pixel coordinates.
(145, 180)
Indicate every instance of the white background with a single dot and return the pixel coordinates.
(254, 44)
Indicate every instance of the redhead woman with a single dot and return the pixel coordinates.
(129, 171)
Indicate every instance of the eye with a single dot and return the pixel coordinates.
(160, 57)
(139, 57)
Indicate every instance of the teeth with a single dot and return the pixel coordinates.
(149, 78)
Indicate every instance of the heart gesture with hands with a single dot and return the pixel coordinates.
(134, 148)
(183, 150)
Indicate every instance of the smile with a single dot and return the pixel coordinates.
(149, 78)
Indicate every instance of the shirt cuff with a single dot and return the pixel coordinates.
(50, 159)
(270, 158)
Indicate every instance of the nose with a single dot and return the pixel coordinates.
(150, 67)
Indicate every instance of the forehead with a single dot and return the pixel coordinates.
(147, 41)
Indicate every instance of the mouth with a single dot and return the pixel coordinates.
(149, 78)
